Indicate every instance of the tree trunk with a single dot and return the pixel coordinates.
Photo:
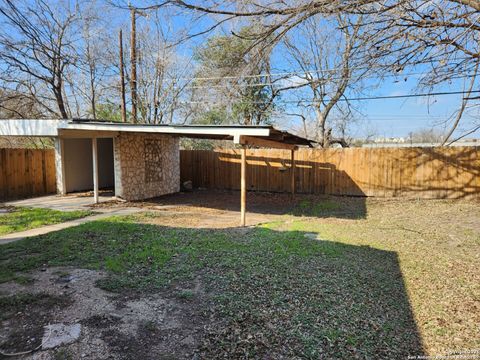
(322, 131)
(93, 96)
(57, 90)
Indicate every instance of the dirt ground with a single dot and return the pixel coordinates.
(220, 209)
(113, 326)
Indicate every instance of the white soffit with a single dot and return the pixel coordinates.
(30, 127)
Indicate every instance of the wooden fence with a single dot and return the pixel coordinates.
(26, 172)
(451, 172)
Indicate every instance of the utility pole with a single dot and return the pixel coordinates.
(133, 59)
(122, 78)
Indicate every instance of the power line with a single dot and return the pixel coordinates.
(383, 117)
(406, 96)
(328, 79)
(411, 95)
(231, 77)
(403, 116)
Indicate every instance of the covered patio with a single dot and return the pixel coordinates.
(139, 161)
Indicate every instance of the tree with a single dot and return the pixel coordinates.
(36, 48)
(108, 111)
(93, 68)
(18, 106)
(236, 77)
(160, 72)
(426, 136)
(15, 105)
(317, 47)
(442, 35)
(215, 116)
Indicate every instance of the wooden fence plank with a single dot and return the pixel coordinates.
(413, 172)
(26, 173)
(3, 174)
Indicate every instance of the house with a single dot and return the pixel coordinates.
(139, 161)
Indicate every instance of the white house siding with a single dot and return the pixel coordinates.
(146, 165)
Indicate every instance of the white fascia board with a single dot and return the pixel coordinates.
(178, 130)
(30, 127)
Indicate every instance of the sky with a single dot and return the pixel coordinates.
(399, 117)
(381, 118)
(385, 117)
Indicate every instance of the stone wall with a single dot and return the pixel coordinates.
(59, 171)
(146, 165)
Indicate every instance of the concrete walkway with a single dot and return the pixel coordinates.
(5, 239)
(69, 202)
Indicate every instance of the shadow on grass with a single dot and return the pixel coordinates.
(267, 293)
(321, 206)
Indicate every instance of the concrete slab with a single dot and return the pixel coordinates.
(5, 239)
(60, 334)
(57, 202)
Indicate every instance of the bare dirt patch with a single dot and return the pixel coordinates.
(23, 317)
(133, 326)
(220, 208)
(257, 202)
(201, 218)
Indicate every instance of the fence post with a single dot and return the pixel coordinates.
(293, 172)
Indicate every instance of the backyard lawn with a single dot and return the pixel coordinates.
(331, 278)
(23, 218)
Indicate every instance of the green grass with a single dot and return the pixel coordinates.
(398, 279)
(24, 218)
(134, 254)
(307, 207)
(266, 287)
(186, 295)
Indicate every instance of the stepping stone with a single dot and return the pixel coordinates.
(60, 334)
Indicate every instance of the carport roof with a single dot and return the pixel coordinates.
(261, 135)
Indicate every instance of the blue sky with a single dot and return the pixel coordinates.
(390, 118)
(399, 117)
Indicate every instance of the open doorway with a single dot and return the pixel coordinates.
(78, 164)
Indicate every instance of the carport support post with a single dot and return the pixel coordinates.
(243, 186)
(95, 170)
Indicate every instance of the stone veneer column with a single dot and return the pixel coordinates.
(146, 165)
(60, 166)
(117, 168)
